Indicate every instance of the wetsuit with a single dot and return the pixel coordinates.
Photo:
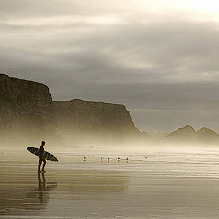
(41, 158)
(41, 152)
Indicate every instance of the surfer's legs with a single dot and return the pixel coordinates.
(40, 161)
(44, 164)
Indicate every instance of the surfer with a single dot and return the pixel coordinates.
(41, 159)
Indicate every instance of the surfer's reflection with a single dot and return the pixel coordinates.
(39, 196)
(42, 187)
(41, 183)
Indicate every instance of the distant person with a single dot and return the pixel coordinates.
(41, 149)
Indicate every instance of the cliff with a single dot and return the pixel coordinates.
(28, 114)
(77, 119)
(26, 110)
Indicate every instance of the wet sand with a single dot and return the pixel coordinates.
(166, 185)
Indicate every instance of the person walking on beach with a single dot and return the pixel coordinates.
(41, 159)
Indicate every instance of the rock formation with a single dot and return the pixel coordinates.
(28, 114)
(25, 110)
(206, 135)
(185, 132)
(188, 134)
(86, 119)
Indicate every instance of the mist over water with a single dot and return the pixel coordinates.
(155, 182)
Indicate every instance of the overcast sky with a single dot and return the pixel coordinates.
(158, 57)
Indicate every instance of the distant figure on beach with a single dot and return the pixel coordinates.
(41, 159)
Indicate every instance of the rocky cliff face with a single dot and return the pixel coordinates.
(87, 119)
(27, 112)
(25, 109)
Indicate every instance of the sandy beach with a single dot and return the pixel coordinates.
(168, 184)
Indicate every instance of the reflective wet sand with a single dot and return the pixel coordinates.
(167, 184)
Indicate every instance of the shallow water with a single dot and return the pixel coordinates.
(169, 183)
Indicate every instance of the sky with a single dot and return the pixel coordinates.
(157, 57)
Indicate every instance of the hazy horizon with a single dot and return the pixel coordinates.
(158, 58)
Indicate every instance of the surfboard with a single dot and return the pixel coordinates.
(46, 155)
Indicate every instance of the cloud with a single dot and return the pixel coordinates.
(137, 11)
(152, 53)
(153, 58)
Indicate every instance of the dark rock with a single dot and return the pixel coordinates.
(77, 118)
(27, 113)
(185, 132)
(188, 134)
(207, 135)
(26, 109)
